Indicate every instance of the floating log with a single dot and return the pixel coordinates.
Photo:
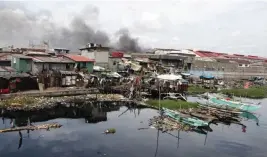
(31, 127)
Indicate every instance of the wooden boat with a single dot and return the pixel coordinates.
(234, 104)
(221, 108)
(220, 101)
(186, 120)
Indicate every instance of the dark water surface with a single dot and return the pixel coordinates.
(82, 137)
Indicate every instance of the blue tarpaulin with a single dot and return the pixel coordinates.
(207, 76)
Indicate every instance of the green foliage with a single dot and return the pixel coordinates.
(111, 130)
(253, 92)
(172, 104)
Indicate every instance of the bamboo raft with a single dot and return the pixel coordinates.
(31, 127)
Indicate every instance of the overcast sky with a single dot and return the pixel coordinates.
(234, 26)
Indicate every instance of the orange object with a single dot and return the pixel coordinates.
(246, 85)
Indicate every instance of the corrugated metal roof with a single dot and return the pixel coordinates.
(3, 70)
(7, 69)
(10, 69)
(79, 58)
(5, 57)
(37, 53)
(45, 59)
(33, 49)
(21, 56)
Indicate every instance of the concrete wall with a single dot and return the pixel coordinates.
(88, 54)
(228, 75)
(226, 67)
(101, 57)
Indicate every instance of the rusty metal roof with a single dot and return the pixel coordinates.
(33, 53)
(7, 69)
(44, 59)
(5, 57)
(21, 56)
(79, 58)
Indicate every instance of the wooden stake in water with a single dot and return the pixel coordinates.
(159, 94)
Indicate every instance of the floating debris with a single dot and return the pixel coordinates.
(38, 103)
(110, 131)
(31, 127)
(165, 123)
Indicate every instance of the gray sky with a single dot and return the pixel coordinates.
(232, 26)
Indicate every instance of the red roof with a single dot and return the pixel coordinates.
(117, 54)
(79, 58)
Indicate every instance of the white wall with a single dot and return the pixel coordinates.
(101, 56)
(89, 54)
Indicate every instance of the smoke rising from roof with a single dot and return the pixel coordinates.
(126, 42)
(19, 26)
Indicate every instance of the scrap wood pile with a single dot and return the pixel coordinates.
(213, 114)
(199, 119)
(165, 123)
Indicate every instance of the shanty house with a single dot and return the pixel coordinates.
(171, 60)
(49, 69)
(81, 62)
(98, 53)
(187, 55)
(21, 63)
(47, 63)
(115, 62)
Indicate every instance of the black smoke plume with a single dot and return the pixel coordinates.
(126, 42)
(19, 26)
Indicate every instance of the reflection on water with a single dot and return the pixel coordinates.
(81, 135)
(250, 116)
